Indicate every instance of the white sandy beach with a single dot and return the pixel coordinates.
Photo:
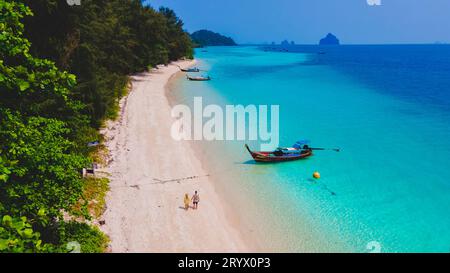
(151, 172)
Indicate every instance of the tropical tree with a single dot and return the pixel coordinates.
(39, 171)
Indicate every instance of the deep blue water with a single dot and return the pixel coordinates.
(417, 73)
(386, 107)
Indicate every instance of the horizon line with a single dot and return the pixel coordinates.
(346, 44)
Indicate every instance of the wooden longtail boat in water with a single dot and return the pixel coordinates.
(281, 154)
(194, 69)
(198, 78)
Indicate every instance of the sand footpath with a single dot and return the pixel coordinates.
(151, 172)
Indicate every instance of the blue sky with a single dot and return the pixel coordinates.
(306, 21)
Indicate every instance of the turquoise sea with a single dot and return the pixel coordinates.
(386, 107)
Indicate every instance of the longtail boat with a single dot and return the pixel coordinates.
(199, 78)
(280, 154)
(299, 150)
(193, 69)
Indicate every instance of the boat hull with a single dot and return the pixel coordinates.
(271, 157)
(199, 79)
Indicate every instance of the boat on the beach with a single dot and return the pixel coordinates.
(193, 69)
(198, 78)
(281, 154)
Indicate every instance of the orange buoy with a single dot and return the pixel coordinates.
(316, 175)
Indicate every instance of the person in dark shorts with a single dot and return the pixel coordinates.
(195, 199)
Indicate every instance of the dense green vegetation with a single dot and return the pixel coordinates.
(47, 115)
(205, 37)
(103, 41)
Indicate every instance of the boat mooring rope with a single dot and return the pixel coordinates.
(323, 186)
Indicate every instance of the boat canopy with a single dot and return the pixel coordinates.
(300, 143)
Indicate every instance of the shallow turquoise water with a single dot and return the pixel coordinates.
(390, 180)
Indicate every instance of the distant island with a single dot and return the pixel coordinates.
(330, 39)
(205, 37)
(287, 43)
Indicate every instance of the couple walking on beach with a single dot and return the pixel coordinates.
(195, 199)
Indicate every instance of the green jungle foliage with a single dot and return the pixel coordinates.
(205, 37)
(48, 115)
(103, 41)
